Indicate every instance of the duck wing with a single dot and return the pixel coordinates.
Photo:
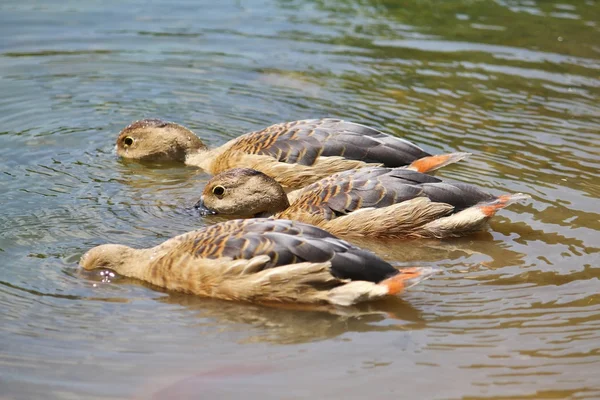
(460, 195)
(288, 242)
(378, 187)
(349, 191)
(303, 142)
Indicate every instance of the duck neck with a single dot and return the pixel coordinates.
(277, 204)
(202, 158)
(142, 263)
(276, 209)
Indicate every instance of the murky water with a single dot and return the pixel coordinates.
(516, 313)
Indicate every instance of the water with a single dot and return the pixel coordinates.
(515, 314)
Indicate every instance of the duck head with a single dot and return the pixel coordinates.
(242, 192)
(110, 256)
(157, 140)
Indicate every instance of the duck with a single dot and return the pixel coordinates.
(374, 202)
(295, 153)
(260, 260)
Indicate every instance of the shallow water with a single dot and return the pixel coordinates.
(516, 311)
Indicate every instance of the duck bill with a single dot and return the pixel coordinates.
(202, 209)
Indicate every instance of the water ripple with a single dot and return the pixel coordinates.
(516, 83)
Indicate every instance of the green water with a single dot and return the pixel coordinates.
(516, 312)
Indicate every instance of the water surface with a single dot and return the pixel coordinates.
(516, 312)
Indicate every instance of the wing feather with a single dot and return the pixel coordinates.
(460, 195)
(285, 243)
(379, 187)
(303, 142)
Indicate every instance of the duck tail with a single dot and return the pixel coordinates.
(360, 291)
(432, 163)
(489, 208)
(406, 278)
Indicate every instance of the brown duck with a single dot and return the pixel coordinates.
(261, 260)
(368, 202)
(294, 153)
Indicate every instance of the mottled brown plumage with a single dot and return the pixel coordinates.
(371, 202)
(294, 153)
(140, 141)
(261, 260)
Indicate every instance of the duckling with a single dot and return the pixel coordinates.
(294, 153)
(260, 260)
(375, 202)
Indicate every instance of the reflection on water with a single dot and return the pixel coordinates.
(287, 324)
(515, 311)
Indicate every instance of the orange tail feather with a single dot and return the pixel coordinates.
(490, 208)
(432, 163)
(406, 278)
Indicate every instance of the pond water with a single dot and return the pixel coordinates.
(516, 311)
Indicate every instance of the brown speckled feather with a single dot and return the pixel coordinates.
(349, 191)
(378, 187)
(375, 201)
(284, 242)
(260, 260)
(303, 142)
(295, 153)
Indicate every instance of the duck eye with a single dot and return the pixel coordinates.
(218, 190)
(128, 141)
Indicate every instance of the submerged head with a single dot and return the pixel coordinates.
(242, 192)
(157, 140)
(111, 256)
